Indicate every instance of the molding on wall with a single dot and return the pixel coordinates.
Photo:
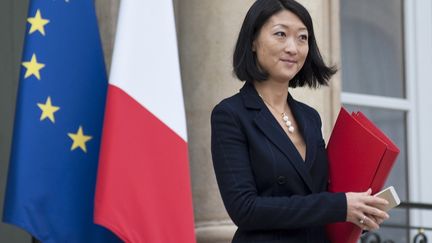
(336, 59)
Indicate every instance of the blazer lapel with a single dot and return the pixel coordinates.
(306, 128)
(266, 122)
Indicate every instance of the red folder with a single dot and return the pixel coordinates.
(360, 157)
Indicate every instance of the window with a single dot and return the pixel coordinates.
(373, 81)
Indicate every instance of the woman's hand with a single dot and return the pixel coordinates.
(363, 210)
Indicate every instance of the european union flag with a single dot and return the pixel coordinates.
(58, 123)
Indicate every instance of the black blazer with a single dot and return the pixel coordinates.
(270, 193)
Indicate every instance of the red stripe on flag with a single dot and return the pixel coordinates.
(143, 189)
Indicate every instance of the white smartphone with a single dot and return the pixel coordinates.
(391, 196)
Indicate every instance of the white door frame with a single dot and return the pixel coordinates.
(418, 45)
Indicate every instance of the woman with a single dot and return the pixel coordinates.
(268, 151)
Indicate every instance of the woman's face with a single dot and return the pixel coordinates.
(282, 46)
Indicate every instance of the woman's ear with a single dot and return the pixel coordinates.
(254, 46)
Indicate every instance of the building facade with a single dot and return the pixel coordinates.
(382, 48)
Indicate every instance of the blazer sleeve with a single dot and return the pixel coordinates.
(235, 178)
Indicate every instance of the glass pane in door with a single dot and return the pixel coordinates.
(372, 47)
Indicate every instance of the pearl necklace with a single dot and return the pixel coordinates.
(285, 118)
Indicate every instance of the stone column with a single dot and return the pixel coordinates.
(325, 16)
(107, 14)
(207, 32)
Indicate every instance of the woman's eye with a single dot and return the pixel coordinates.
(303, 37)
(280, 33)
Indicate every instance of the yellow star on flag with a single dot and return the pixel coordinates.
(33, 67)
(48, 110)
(79, 139)
(37, 23)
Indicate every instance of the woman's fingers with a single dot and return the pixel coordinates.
(364, 210)
(377, 220)
(368, 192)
(367, 223)
(371, 224)
(376, 201)
(375, 212)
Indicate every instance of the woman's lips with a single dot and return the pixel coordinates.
(288, 60)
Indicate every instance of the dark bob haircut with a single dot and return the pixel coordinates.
(314, 71)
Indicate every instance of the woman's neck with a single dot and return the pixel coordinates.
(274, 93)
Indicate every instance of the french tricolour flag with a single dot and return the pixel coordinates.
(143, 189)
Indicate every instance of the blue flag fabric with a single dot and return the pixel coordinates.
(58, 123)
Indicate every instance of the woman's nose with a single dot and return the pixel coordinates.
(291, 46)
